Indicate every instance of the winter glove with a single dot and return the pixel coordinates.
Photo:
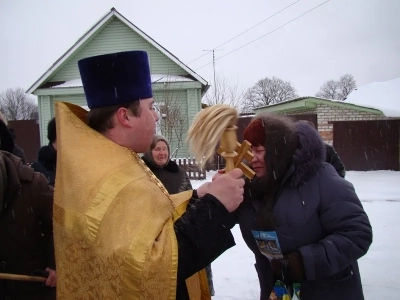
(290, 268)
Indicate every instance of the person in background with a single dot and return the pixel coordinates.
(331, 155)
(172, 176)
(26, 227)
(320, 223)
(47, 155)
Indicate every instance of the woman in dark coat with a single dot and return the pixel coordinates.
(171, 175)
(26, 227)
(320, 223)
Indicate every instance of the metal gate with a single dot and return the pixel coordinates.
(367, 145)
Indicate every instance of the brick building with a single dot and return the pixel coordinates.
(365, 138)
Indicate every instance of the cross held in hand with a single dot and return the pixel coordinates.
(243, 152)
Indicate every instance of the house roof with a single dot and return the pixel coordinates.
(306, 103)
(384, 96)
(113, 12)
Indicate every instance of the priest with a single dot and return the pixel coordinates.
(118, 233)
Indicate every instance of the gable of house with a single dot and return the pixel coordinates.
(115, 36)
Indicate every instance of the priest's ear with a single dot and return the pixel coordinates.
(123, 116)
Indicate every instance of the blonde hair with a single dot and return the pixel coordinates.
(3, 118)
(207, 129)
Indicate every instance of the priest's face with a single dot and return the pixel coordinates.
(143, 126)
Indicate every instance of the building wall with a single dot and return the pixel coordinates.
(188, 100)
(181, 99)
(44, 108)
(328, 114)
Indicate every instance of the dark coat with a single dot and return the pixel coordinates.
(26, 229)
(171, 175)
(317, 213)
(46, 163)
(333, 158)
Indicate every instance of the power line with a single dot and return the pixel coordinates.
(315, 7)
(247, 30)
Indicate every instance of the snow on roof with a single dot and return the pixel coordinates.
(69, 83)
(168, 78)
(384, 96)
(154, 78)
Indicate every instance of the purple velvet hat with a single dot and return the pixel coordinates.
(115, 78)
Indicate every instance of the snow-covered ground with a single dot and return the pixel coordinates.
(236, 278)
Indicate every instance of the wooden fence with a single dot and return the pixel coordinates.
(191, 168)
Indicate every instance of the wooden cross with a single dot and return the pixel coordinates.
(243, 152)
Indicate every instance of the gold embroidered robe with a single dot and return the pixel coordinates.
(113, 220)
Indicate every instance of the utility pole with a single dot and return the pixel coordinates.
(215, 83)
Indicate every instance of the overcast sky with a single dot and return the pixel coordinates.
(360, 37)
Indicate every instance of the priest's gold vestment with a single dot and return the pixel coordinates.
(113, 220)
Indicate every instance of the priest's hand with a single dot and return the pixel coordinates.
(228, 189)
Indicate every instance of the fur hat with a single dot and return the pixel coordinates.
(115, 78)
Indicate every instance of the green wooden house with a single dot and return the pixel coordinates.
(177, 89)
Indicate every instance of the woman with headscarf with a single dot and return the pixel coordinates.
(172, 176)
(320, 224)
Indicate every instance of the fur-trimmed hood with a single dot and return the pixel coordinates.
(294, 150)
(309, 156)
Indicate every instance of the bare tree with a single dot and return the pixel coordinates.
(337, 90)
(17, 105)
(225, 92)
(269, 91)
(173, 121)
(329, 90)
(347, 84)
